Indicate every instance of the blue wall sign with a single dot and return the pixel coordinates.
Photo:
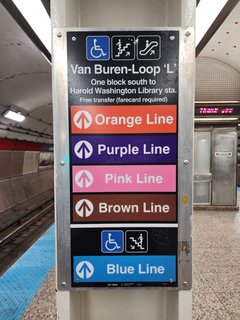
(124, 269)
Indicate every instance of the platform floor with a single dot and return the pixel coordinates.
(216, 271)
(19, 284)
(216, 265)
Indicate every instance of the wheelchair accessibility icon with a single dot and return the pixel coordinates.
(98, 48)
(112, 241)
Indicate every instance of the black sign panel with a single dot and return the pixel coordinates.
(124, 256)
(123, 113)
(123, 68)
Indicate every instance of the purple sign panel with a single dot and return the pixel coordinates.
(123, 149)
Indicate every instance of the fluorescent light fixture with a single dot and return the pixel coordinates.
(207, 11)
(215, 119)
(37, 17)
(16, 116)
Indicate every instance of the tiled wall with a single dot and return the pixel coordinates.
(216, 81)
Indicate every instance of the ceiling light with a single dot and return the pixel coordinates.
(13, 115)
(215, 119)
(38, 18)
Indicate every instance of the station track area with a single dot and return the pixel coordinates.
(16, 239)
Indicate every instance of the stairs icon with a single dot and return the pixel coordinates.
(120, 52)
(136, 241)
(123, 47)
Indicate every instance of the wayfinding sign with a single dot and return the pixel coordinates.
(123, 96)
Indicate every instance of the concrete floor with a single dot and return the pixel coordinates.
(216, 265)
(216, 271)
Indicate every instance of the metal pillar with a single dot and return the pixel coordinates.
(154, 304)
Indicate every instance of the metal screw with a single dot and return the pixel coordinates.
(187, 33)
(62, 163)
(64, 284)
(185, 283)
(186, 162)
(59, 34)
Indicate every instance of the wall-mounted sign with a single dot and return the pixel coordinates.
(124, 207)
(216, 110)
(123, 133)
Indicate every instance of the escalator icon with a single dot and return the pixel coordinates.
(148, 47)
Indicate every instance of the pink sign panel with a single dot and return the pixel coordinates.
(124, 178)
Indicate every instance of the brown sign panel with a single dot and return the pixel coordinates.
(123, 208)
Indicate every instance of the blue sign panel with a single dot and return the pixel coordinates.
(120, 149)
(112, 241)
(98, 48)
(113, 269)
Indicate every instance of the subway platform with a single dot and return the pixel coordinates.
(216, 273)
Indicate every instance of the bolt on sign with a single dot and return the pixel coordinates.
(123, 110)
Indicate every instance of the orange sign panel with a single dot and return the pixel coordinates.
(124, 119)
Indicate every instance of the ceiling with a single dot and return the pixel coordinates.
(224, 45)
(25, 84)
(25, 74)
